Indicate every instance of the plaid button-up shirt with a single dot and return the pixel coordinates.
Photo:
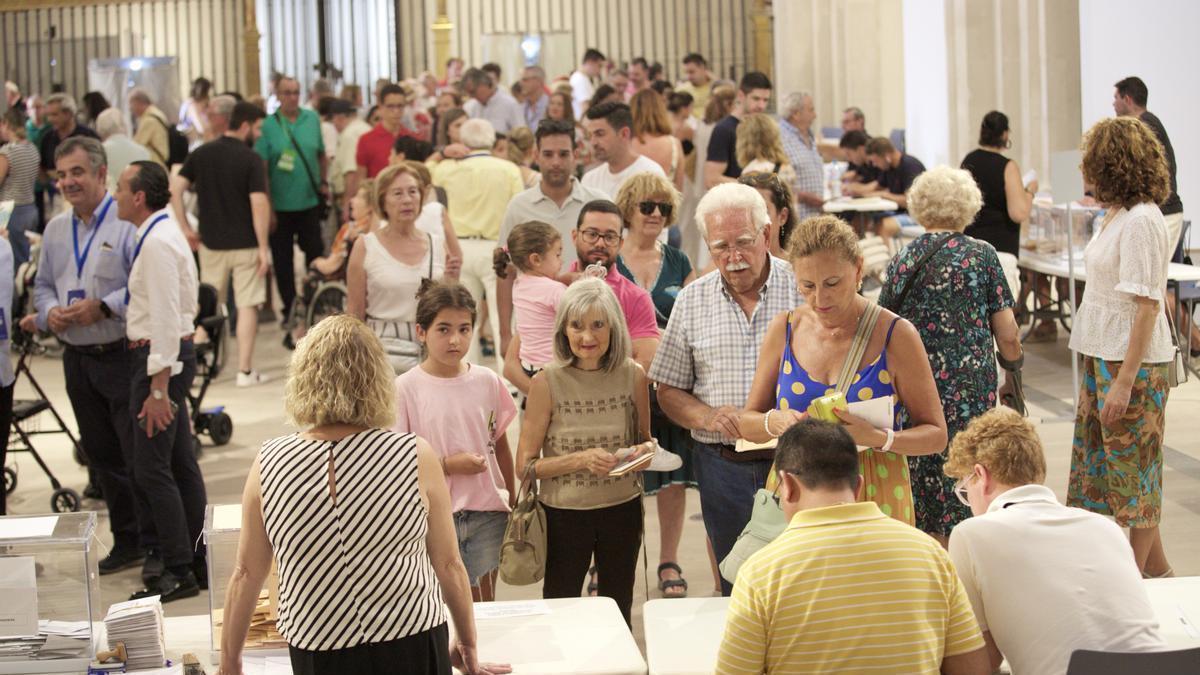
(710, 348)
(805, 159)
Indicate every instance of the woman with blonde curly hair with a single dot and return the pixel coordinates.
(649, 205)
(1122, 333)
(760, 148)
(311, 500)
(952, 288)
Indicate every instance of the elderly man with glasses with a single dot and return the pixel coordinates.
(705, 363)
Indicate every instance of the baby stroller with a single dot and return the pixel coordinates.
(215, 422)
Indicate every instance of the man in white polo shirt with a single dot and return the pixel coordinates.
(1044, 579)
(610, 128)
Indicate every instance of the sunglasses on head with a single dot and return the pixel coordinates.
(664, 208)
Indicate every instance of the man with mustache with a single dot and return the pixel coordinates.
(79, 294)
(706, 360)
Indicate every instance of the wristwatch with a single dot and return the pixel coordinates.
(106, 310)
(157, 394)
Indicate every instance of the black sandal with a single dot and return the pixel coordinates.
(666, 584)
(592, 586)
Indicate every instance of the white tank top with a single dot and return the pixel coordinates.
(353, 570)
(392, 285)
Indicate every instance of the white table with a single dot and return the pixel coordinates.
(860, 205)
(683, 635)
(1056, 266)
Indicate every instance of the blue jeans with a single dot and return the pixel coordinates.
(480, 534)
(726, 497)
(24, 219)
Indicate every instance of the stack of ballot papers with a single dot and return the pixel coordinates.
(263, 633)
(139, 624)
(55, 640)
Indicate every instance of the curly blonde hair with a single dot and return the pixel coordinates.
(1005, 443)
(944, 199)
(339, 374)
(643, 186)
(1124, 163)
(824, 234)
(758, 137)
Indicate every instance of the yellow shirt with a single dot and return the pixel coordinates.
(845, 589)
(478, 188)
(152, 134)
(699, 96)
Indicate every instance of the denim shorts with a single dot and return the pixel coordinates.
(480, 534)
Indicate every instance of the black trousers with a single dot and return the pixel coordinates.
(6, 417)
(165, 464)
(612, 535)
(98, 387)
(424, 653)
(292, 227)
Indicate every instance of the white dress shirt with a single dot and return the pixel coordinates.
(1047, 579)
(163, 290)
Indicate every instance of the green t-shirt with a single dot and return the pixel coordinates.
(291, 187)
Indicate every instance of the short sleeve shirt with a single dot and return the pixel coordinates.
(722, 146)
(898, 180)
(224, 173)
(291, 184)
(375, 148)
(50, 141)
(635, 303)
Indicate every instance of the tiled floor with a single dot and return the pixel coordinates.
(258, 416)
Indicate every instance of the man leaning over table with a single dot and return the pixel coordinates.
(706, 359)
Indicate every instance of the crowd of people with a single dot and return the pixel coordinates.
(614, 266)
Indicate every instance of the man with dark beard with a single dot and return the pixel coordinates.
(556, 200)
(235, 216)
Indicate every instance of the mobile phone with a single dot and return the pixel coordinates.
(142, 420)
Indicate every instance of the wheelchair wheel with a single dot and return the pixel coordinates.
(10, 480)
(220, 428)
(329, 299)
(64, 500)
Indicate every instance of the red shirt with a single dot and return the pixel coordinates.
(636, 304)
(374, 149)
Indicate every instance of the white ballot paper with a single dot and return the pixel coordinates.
(24, 528)
(18, 587)
(878, 412)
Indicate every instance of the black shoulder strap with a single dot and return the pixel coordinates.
(917, 269)
(307, 169)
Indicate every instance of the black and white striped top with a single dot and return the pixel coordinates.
(23, 163)
(354, 570)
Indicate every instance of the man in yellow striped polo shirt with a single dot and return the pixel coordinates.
(845, 589)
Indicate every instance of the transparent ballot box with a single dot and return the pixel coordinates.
(1046, 232)
(222, 528)
(51, 594)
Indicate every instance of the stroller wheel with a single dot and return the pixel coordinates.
(220, 428)
(64, 500)
(10, 480)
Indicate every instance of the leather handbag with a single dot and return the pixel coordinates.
(523, 553)
(1176, 372)
(767, 520)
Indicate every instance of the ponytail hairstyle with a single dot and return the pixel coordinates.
(525, 240)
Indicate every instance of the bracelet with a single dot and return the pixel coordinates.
(891, 436)
(767, 424)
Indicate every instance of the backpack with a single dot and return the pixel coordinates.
(177, 143)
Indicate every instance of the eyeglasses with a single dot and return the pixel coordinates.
(592, 236)
(743, 246)
(664, 208)
(778, 481)
(960, 489)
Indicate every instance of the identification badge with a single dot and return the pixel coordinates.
(287, 161)
(3, 328)
(75, 295)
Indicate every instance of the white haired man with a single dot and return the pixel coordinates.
(706, 359)
(120, 148)
(492, 103)
(796, 116)
(150, 126)
(479, 188)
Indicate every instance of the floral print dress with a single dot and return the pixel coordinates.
(951, 304)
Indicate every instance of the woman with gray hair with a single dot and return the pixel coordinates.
(952, 288)
(588, 412)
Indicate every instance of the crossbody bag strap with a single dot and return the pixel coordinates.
(307, 169)
(918, 269)
(858, 347)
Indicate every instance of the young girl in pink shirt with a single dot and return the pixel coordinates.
(535, 248)
(463, 411)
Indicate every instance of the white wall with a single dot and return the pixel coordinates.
(926, 88)
(1155, 40)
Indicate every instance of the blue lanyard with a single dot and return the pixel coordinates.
(81, 260)
(137, 250)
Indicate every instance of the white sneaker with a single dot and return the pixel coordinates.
(665, 460)
(251, 378)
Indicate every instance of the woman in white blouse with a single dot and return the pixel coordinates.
(389, 266)
(1116, 459)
